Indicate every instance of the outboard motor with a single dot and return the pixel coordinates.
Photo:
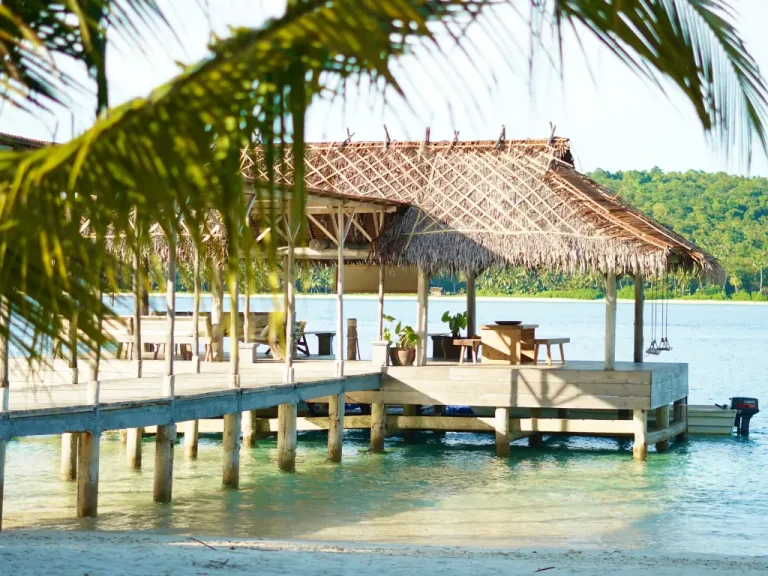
(745, 409)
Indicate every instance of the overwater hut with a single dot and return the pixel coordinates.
(464, 206)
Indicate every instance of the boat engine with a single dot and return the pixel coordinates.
(745, 409)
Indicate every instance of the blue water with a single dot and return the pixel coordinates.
(704, 495)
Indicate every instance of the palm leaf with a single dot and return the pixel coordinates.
(691, 42)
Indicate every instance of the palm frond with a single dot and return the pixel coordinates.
(176, 154)
(34, 32)
(693, 43)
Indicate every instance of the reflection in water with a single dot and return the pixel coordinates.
(437, 490)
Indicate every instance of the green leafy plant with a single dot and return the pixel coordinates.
(398, 335)
(456, 323)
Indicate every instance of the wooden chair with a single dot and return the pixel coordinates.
(549, 342)
(466, 344)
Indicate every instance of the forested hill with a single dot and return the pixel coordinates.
(726, 215)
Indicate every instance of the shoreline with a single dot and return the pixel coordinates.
(116, 553)
(461, 298)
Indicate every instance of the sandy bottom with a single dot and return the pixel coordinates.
(95, 554)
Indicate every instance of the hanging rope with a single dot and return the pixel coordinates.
(665, 345)
(653, 349)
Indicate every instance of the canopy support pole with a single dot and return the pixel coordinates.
(166, 435)
(610, 321)
(422, 303)
(639, 307)
(340, 295)
(231, 435)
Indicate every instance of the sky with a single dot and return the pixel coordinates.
(615, 120)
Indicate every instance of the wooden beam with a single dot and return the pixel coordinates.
(69, 442)
(501, 425)
(361, 229)
(664, 435)
(471, 305)
(380, 313)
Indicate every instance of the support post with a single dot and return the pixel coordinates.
(138, 287)
(249, 424)
(335, 427)
(73, 369)
(134, 435)
(536, 439)
(378, 427)
(4, 390)
(69, 441)
(231, 436)
(662, 423)
(410, 410)
(290, 313)
(165, 440)
(196, 317)
(286, 437)
(680, 414)
(352, 342)
(217, 317)
(421, 317)
(133, 447)
(165, 437)
(471, 305)
(640, 448)
(380, 315)
(88, 474)
(191, 432)
(340, 294)
(610, 321)
(639, 308)
(502, 432)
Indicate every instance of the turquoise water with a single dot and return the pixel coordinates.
(705, 495)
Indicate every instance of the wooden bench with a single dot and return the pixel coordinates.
(466, 344)
(549, 342)
(154, 330)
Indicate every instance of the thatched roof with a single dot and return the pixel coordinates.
(475, 204)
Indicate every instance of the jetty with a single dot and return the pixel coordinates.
(387, 215)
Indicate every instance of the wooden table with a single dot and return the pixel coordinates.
(508, 344)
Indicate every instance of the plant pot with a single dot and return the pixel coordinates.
(451, 352)
(402, 356)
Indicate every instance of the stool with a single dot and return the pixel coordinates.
(548, 342)
(465, 343)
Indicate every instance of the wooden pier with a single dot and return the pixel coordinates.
(511, 402)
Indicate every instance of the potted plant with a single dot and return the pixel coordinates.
(403, 341)
(456, 323)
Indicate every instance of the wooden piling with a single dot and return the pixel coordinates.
(662, 423)
(88, 474)
(165, 440)
(502, 432)
(536, 439)
(410, 410)
(680, 414)
(69, 443)
(231, 444)
(378, 427)
(335, 427)
(286, 437)
(191, 432)
(133, 447)
(2, 479)
(250, 428)
(640, 448)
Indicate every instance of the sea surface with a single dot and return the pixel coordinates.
(708, 495)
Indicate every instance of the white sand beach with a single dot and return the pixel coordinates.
(115, 553)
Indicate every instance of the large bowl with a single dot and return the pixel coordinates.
(508, 322)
